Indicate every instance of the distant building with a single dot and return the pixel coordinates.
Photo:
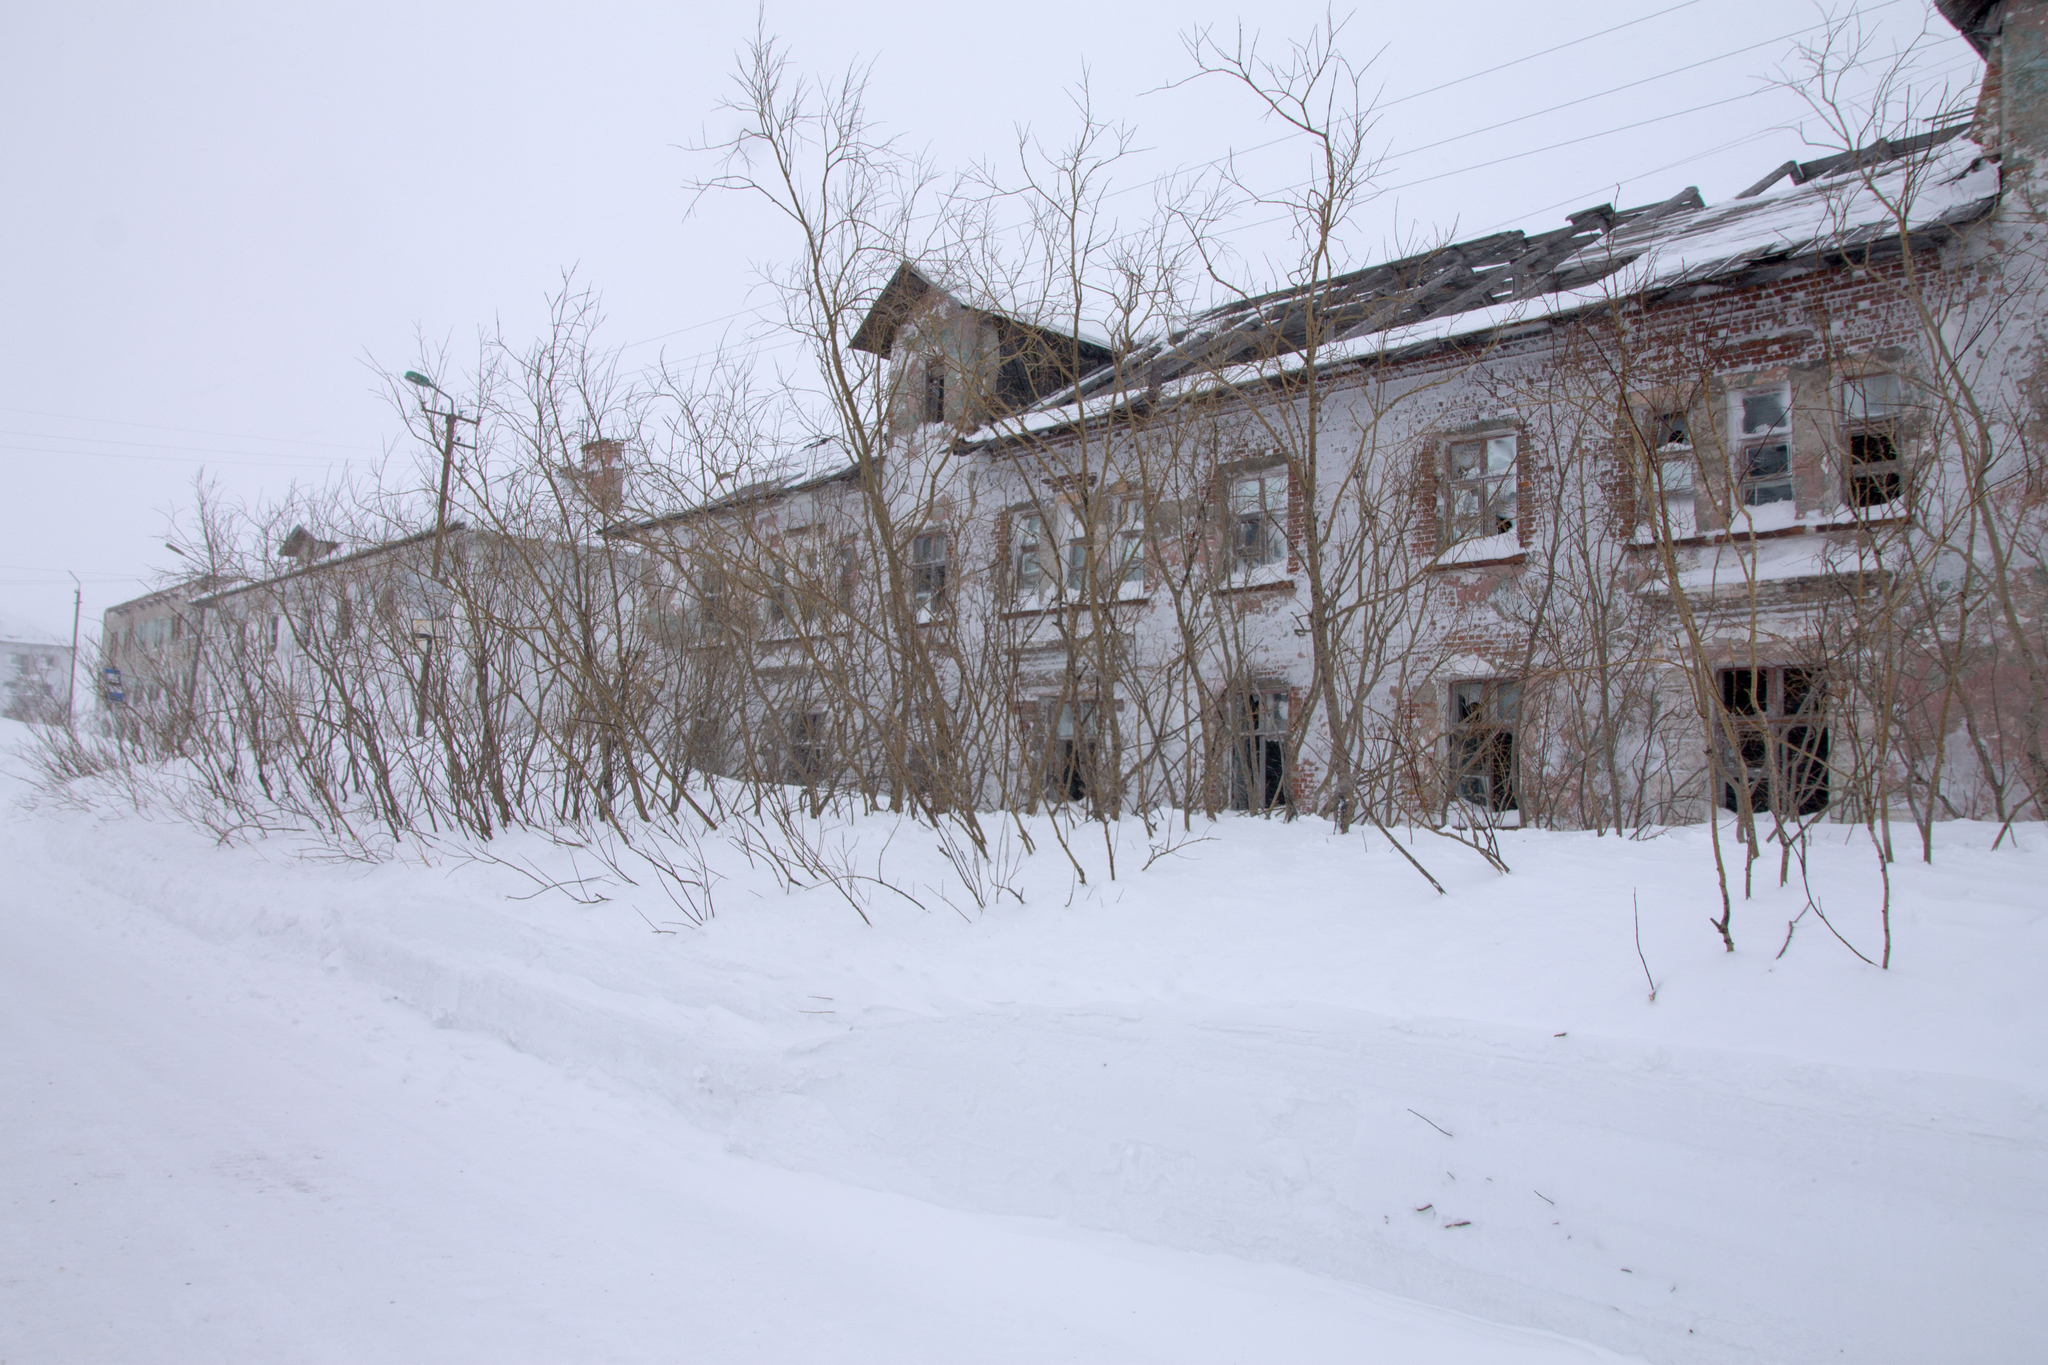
(146, 650)
(35, 673)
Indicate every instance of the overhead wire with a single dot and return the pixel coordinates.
(309, 463)
(759, 312)
(1631, 126)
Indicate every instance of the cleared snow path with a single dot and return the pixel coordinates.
(211, 1155)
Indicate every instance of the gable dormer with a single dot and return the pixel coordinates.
(964, 365)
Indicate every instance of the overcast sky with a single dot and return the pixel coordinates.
(220, 217)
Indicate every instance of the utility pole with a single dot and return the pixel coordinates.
(448, 421)
(71, 692)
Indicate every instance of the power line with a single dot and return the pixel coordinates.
(163, 445)
(1384, 104)
(188, 431)
(1395, 157)
(200, 457)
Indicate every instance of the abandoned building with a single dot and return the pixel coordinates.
(1462, 510)
(1663, 510)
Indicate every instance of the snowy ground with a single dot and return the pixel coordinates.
(1224, 1109)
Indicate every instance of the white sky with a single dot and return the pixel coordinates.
(220, 216)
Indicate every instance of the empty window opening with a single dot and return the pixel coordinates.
(1872, 408)
(933, 408)
(1484, 714)
(806, 748)
(1671, 431)
(1763, 461)
(1070, 771)
(1258, 516)
(1774, 741)
(1258, 753)
(1483, 492)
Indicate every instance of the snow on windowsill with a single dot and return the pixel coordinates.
(1037, 603)
(1481, 550)
(1264, 576)
(1773, 523)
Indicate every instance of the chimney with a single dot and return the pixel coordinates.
(602, 475)
(305, 547)
(2012, 109)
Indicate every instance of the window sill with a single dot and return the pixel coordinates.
(1447, 565)
(1031, 611)
(1813, 525)
(1255, 584)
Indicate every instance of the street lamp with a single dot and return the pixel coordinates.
(448, 421)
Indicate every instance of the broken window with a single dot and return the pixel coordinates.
(928, 566)
(1763, 461)
(933, 408)
(1872, 408)
(1258, 752)
(1774, 741)
(1258, 519)
(1070, 769)
(1670, 435)
(1482, 488)
(1484, 714)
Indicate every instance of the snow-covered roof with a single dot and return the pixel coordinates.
(1854, 202)
(821, 460)
(16, 631)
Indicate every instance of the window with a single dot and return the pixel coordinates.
(1070, 766)
(1075, 559)
(928, 570)
(1258, 751)
(1774, 745)
(782, 603)
(1130, 542)
(1763, 461)
(1872, 407)
(1030, 555)
(845, 557)
(806, 747)
(933, 408)
(1484, 713)
(1670, 435)
(1258, 519)
(1482, 488)
(712, 593)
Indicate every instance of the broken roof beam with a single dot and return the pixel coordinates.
(1790, 168)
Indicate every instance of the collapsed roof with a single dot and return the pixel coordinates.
(1849, 206)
